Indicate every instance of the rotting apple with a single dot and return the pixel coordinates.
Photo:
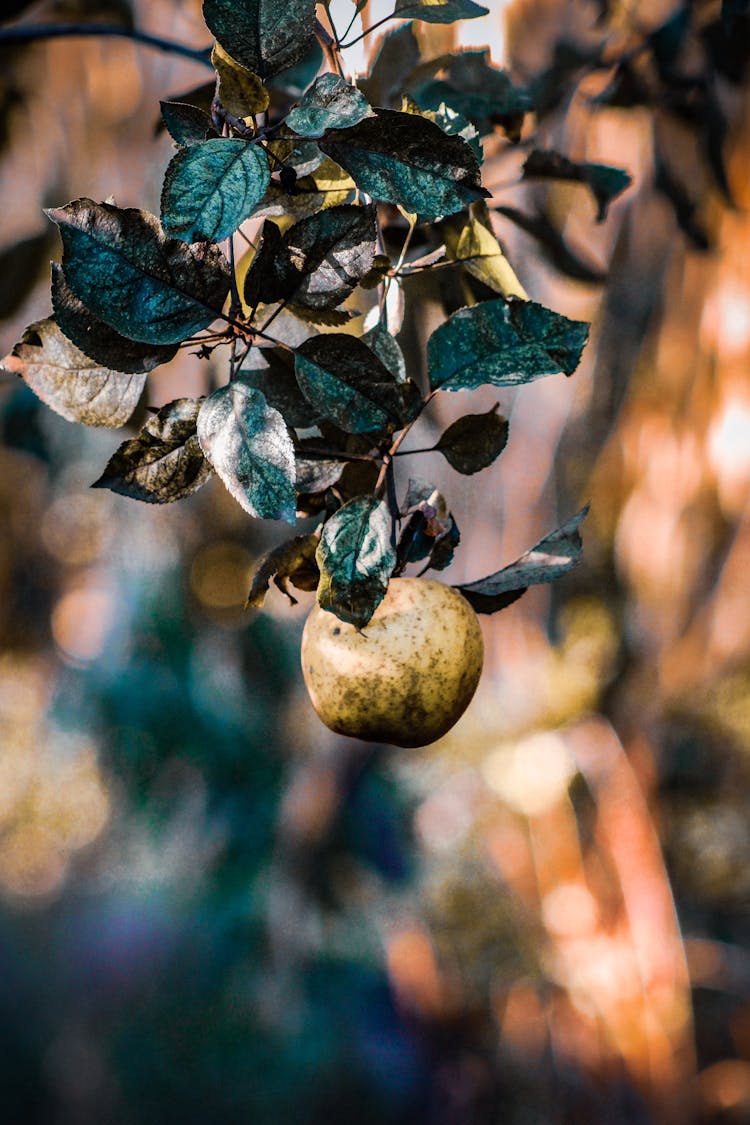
(407, 677)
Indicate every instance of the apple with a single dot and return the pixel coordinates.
(405, 678)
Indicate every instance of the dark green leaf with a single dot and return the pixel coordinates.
(605, 182)
(293, 562)
(124, 269)
(240, 92)
(210, 188)
(250, 447)
(479, 91)
(186, 124)
(474, 441)
(356, 560)
(439, 11)
(295, 79)
(397, 57)
(69, 382)
(278, 383)
(164, 462)
(96, 339)
(318, 261)
(552, 557)
(330, 103)
(346, 382)
(266, 36)
(503, 343)
(387, 349)
(404, 159)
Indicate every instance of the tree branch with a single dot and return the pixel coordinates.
(33, 32)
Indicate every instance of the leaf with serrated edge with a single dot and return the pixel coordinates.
(473, 442)
(317, 262)
(240, 91)
(476, 89)
(211, 188)
(250, 447)
(552, 557)
(439, 11)
(121, 265)
(96, 339)
(73, 385)
(293, 562)
(330, 103)
(186, 124)
(164, 462)
(503, 343)
(266, 36)
(347, 383)
(356, 560)
(405, 159)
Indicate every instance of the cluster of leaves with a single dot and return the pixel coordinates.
(316, 405)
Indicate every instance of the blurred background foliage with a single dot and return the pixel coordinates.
(215, 911)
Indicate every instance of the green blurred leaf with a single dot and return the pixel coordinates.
(249, 446)
(540, 227)
(330, 103)
(605, 182)
(477, 90)
(164, 462)
(552, 557)
(96, 339)
(165, 291)
(240, 91)
(69, 382)
(398, 55)
(346, 382)
(187, 124)
(210, 188)
(439, 11)
(264, 37)
(356, 560)
(503, 343)
(293, 561)
(404, 159)
(317, 262)
(474, 441)
(22, 265)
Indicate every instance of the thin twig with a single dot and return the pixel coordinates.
(31, 33)
(395, 447)
(367, 31)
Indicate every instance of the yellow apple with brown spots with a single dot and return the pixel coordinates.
(405, 678)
